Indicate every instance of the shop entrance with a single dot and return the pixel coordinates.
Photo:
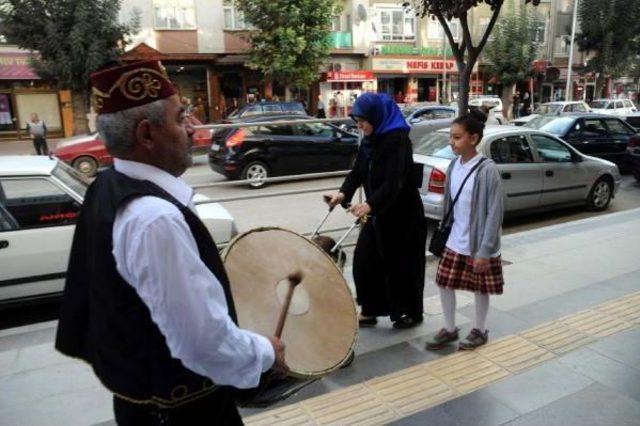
(427, 89)
(191, 81)
(396, 87)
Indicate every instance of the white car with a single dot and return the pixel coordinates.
(495, 105)
(538, 170)
(613, 106)
(40, 198)
(553, 108)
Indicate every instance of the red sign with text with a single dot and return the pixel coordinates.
(349, 76)
(430, 65)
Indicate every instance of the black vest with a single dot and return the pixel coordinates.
(103, 320)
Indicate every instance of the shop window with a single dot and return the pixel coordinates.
(6, 113)
(233, 18)
(174, 14)
(395, 24)
(36, 203)
(44, 104)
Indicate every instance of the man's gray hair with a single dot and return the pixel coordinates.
(117, 129)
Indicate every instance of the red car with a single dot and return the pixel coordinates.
(87, 153)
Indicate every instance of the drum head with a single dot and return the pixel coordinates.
(320, 330)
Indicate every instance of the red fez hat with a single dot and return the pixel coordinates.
(131, 85)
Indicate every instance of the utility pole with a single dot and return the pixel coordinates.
(569, 92)
(444, 67)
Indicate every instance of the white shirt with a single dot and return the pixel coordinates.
(459, 237)
(157, 255)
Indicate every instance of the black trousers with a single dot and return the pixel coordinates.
(40, 144)
(218, 408)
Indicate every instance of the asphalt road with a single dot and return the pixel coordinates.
(302, 213)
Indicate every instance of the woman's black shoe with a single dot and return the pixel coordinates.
(367, 321)
(407, 322)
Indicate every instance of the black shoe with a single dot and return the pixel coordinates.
(406, 321)
(364, 322)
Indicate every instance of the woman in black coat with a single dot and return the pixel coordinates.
(389, 259)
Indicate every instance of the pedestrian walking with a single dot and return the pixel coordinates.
(147, 302)
(37, 129)
(321, 109)
(389, 259)
(515, 106)
(473, 210)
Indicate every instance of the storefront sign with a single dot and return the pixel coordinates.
(349, 76)
(15, 66)
(410, 50)
(413, 66)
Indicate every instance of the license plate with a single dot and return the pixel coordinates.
(215, 147)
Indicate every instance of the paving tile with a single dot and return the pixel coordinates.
(606, 371)
(595, 323)
(538, 387)
(515, 354)
(623, 347)
(475, 409)
(595, 405)
(626, 308)
(499, 322)
(466, 371)
(557, 337)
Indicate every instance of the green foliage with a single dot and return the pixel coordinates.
(451, 9)
(290, 39)
(72, 37)
(609, 32)
(511, 51)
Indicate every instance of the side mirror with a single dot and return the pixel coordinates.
(337, 135)
(576, 158)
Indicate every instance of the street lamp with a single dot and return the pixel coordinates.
(569, 92)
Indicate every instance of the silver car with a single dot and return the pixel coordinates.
(539, 171)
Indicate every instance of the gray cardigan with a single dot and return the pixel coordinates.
(486, 209)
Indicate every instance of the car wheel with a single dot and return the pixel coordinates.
(86, 165)
(256, 172)
(600, 195)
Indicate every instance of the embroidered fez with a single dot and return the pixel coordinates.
(128, 86)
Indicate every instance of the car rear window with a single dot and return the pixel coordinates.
(434, 144)
(298, 108)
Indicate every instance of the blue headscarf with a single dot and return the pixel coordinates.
(381, 111)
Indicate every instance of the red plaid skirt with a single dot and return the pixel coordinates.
(455, 272)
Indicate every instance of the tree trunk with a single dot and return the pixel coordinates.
(507, 97)
(601, 81)
(463, 87)
(80, 110)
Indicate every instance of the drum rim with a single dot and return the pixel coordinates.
(300, 374)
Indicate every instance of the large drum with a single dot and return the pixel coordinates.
(321, 326)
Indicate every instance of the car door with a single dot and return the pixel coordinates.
(590, 136)
(319, 152)
(285, 151)
(34, 250)
(565, 179)
(619, 134)
(521, 175)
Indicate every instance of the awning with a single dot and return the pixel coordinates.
(15, 66)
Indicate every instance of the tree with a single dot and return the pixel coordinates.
(465, 52)
(609, 33)
(290, 39)
(511, 51)
(70, 39)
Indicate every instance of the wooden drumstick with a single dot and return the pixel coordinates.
(294, 279)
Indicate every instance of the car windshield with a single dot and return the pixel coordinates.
(537, 122)
(406, 112)
(71, 178)
(549, 109)
(599, 104)
(435, 144)
(559, 126)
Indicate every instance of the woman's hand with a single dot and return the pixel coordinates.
(359, 210)
(481, 265)
(333, 199)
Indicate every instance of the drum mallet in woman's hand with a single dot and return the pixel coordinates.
(294, 279)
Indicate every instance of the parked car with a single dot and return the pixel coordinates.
(493, 102)
(87, 153)
(267, 108)
(539, 171)
(613, 106)
(633, 156)
(424, 119)
(553, 109)
(267, 150)
(40, 198)
(633, 119)
(599, 135)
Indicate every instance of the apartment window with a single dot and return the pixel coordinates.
(233, 18)
(396, 24)
(336, 23)
(174, 14)
(483, 25)
(539, 32)
(434, 30)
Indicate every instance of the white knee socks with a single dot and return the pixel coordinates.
(482, 310)
(448, 299)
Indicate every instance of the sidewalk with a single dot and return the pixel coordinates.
(565, 349)
(23, 146)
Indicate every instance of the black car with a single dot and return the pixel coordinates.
(633, 119)
(267, 108)
(598, 135)
(270, 150)
(633, 156)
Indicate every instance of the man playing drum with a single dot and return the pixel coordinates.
(147, 301)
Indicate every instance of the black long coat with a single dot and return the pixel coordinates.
(389, 259)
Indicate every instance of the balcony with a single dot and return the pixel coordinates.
(341, 40)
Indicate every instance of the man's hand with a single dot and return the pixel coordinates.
(360, 210)
(334, 199)
(280, 367)
(481, 265)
